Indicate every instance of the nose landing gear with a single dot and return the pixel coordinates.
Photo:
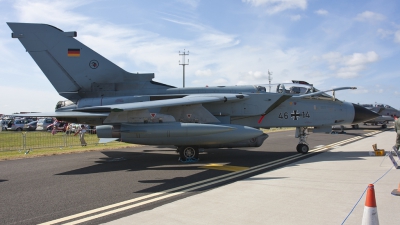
(301, 133)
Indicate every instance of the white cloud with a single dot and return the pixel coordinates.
(349, 66)
(218, 39)
(384, 33)
(359, 58)
(52, 12)
(220, 81)
(295, 17)
(321, 12)
(397, 36)
(21, 99)
(315, 74)
(333, 59)
(193, 25)
(242, 83)
(203, 73)
(369, 16)
(191, 3)
(257, 75)
(361, 90)
(276, 6)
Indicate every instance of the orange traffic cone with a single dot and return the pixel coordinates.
(370, 216)
(396, 191)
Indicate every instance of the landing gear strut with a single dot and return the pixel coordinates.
(188, 154)
(301, 133)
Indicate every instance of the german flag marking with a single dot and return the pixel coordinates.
(74, 52)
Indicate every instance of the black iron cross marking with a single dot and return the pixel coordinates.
(295, 114)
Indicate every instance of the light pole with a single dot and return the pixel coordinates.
(269, 79)
(183, 63)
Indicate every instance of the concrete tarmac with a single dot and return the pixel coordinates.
(322, 189)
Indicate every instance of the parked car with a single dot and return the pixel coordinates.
(30, 126)
(43, 124)
(3, 124)
(16, 124)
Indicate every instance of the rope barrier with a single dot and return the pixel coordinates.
(362, 195)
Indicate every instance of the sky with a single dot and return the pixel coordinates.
(329, 44)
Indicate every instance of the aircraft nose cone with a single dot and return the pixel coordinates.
(362, 114)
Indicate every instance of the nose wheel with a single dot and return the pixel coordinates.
(301, 133)
(302, 148)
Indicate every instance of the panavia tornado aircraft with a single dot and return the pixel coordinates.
(386, 114)
(133, 108)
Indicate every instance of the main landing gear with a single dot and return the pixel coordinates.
(188, 153)
(301, 133)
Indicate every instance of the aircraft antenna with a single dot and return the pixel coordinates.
(269, 79)
(183, 63)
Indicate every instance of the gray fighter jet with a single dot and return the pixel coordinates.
(133, 108)
(386, 114)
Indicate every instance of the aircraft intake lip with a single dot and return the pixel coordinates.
(362, 114)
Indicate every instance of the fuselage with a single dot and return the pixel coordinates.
(309, 111)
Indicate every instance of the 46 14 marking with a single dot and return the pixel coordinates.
(295, 115)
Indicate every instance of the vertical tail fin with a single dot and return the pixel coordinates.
(70, 66)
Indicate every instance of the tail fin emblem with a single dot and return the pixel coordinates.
(74, 52)
(93, 64)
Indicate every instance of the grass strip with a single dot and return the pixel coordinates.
(42, 143)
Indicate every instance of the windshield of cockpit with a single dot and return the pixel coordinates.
(292, 89)
(367, 105)
(383, 106)
(61, 104)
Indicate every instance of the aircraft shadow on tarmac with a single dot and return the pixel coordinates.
(3, 180)
(149, 159)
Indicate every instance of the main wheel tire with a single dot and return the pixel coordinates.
(19, 129)
(188, 153)
(302, 148)
(384, 126)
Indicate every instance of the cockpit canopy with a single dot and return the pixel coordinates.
(292, 89)
(61, 104)
(367, 105)
(384, 106)
(377, 105)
